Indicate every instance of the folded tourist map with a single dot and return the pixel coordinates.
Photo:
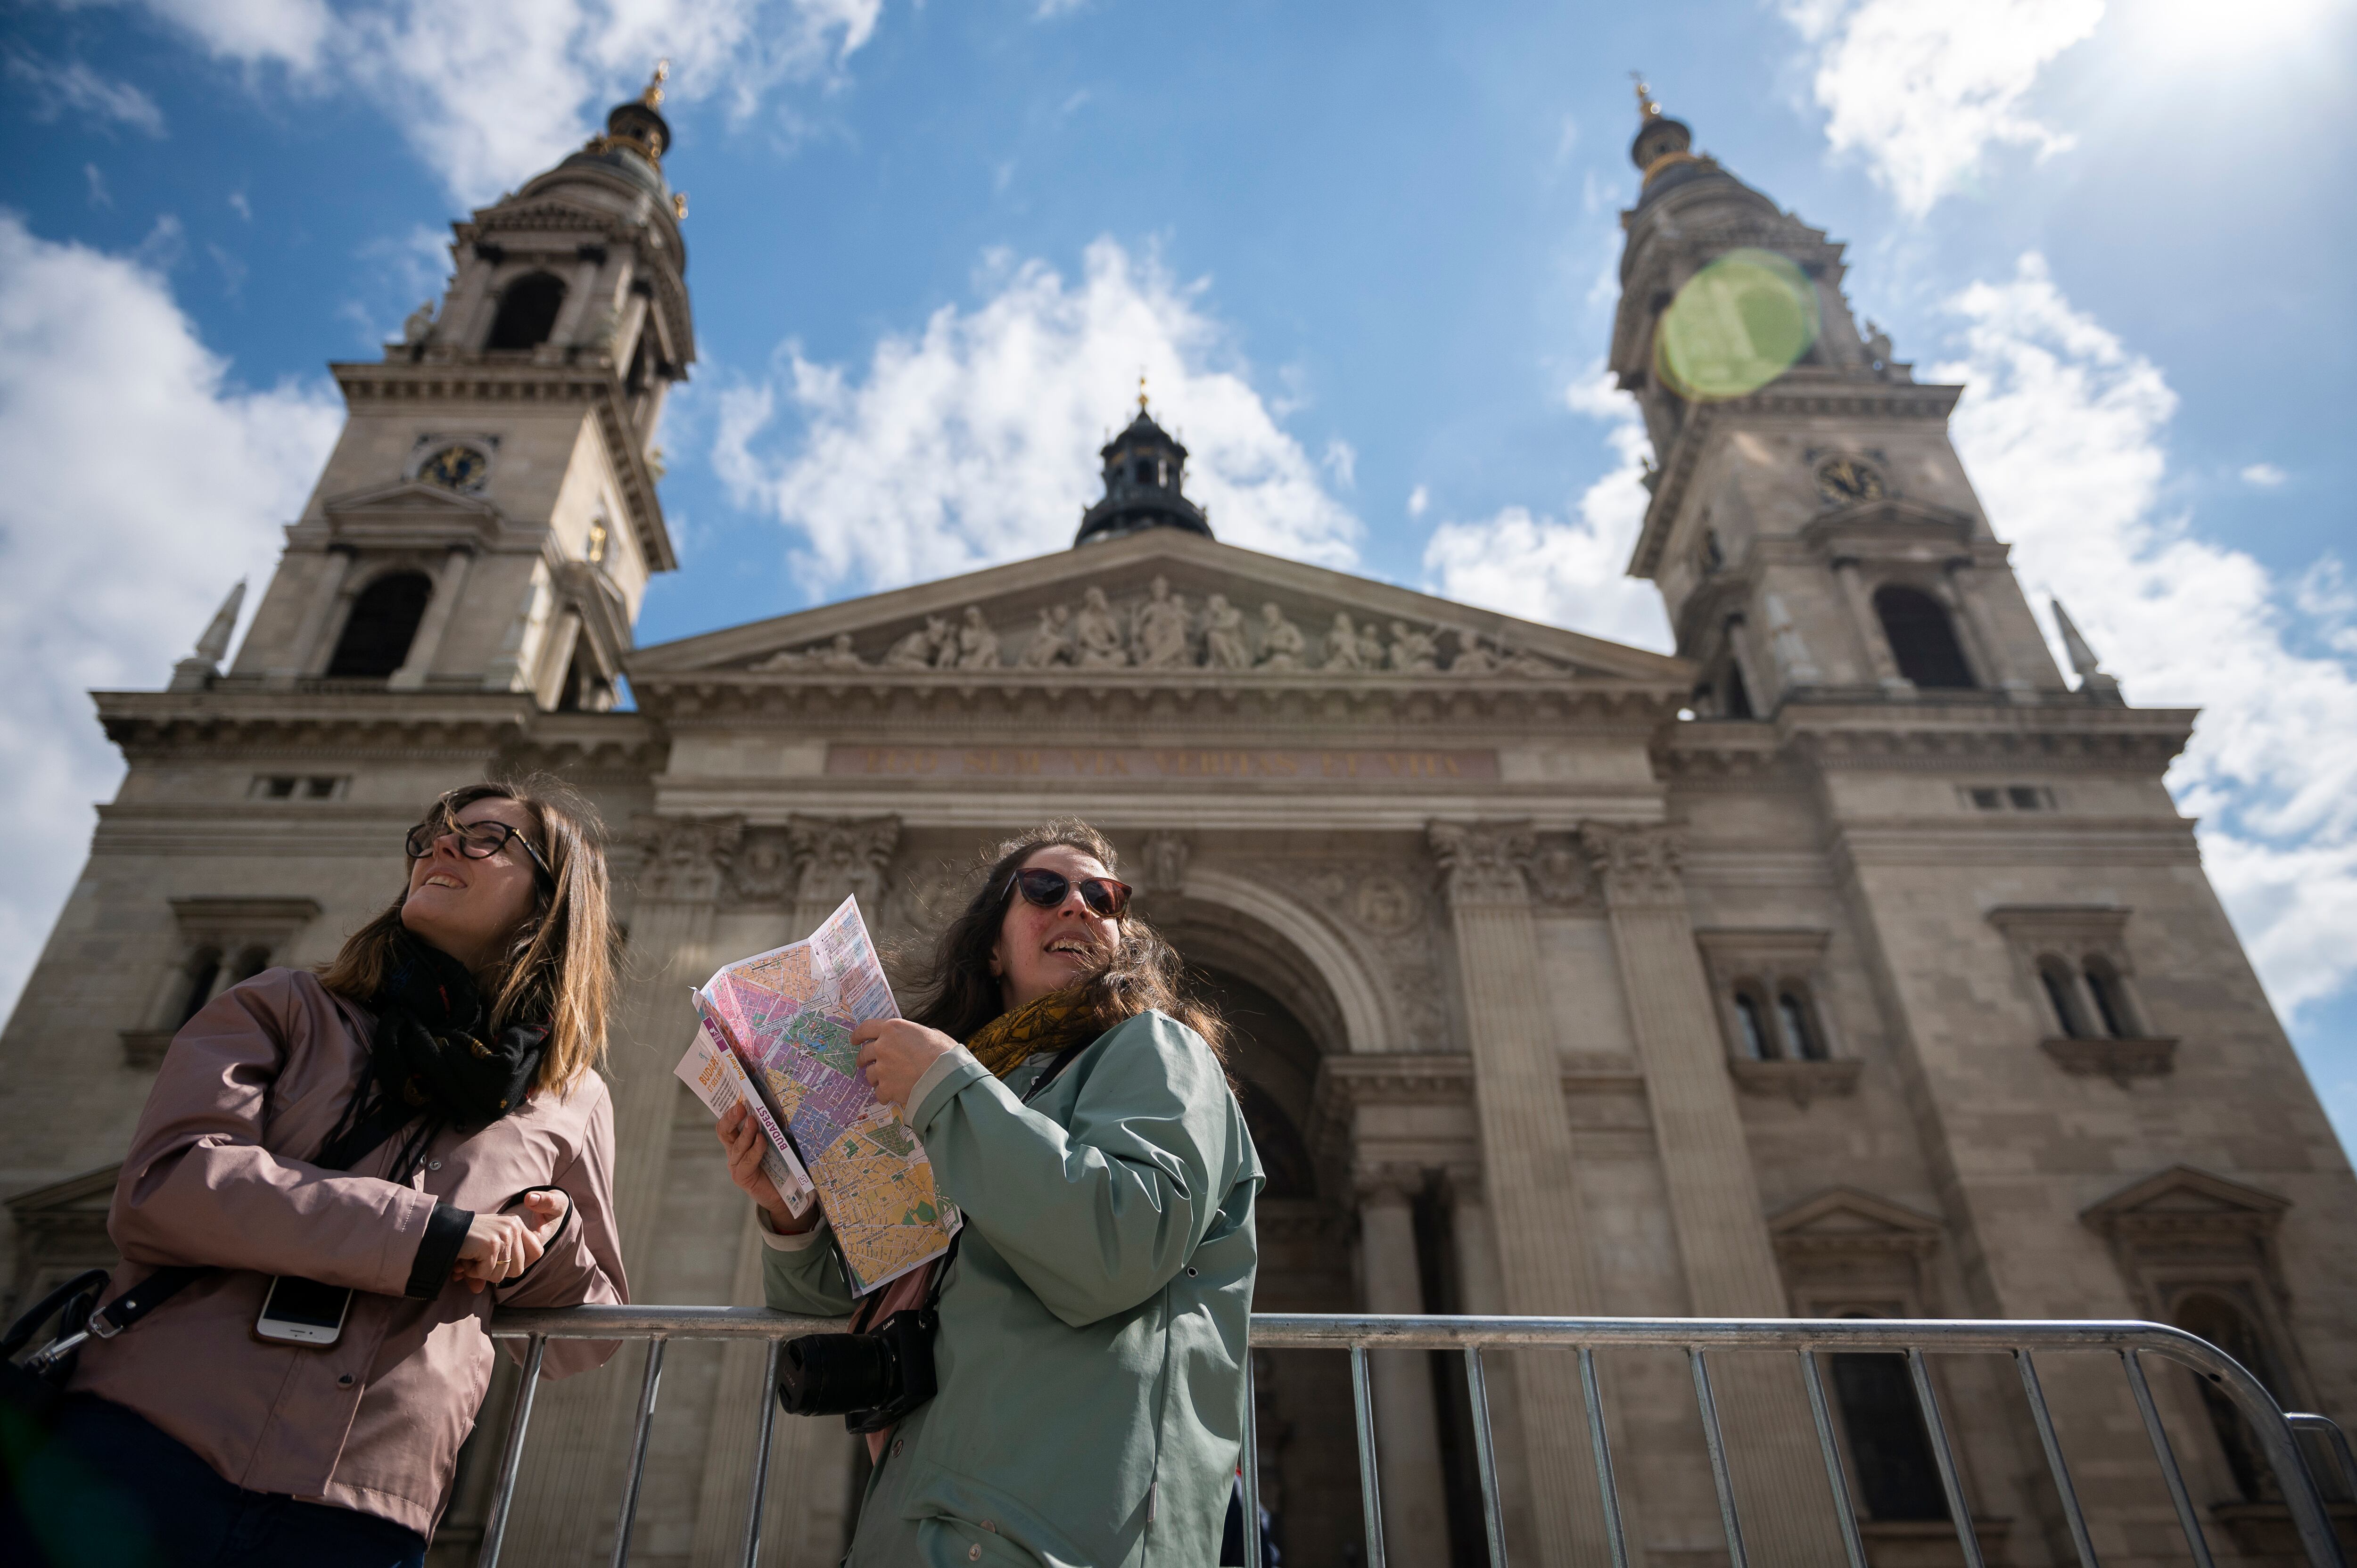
(787, 1016)
(718, 1078)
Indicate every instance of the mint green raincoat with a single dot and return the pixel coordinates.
(1092, 1329)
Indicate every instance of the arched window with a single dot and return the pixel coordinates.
(1738, 696)
(1754, 1027)
(2110, 999)
(250, 962)
(203, 969)
(2055, 977)
(1922, 638)
(383, 623)
(1801, 1041)
(1890, 1447)
(527, 312)
(2227, 1326)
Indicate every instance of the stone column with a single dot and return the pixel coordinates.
(1729, 1263)
(302, 653)
(581, 1426)
(802, 1510)
(1407, 1423)
(428, 640)
(1481, 1293)
(1526, 1162)
(1869, 625)
(1965, 586)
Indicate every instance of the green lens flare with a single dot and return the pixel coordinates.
(1735, 326)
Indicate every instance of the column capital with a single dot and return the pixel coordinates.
(1640, 865)
(684, 858)
(839, 857)
(1484, 862)
(1387, 1183)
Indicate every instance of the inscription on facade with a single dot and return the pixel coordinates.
(1154, 763)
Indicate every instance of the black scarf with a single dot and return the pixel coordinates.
(434, 1062)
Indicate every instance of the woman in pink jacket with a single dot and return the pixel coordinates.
(421, 1123)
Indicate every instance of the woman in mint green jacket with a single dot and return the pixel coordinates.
(1092, 1346)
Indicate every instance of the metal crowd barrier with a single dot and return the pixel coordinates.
(1696, 1337)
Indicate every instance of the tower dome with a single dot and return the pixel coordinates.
(1144, 465)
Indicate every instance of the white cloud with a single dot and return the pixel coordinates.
(974, 441)
(2266, 475)
(1571, 573)
(1418, 499)
(490, 94)
(56, 91)
(111, 568)
(1923, 88)
(2061, 430)
(1342, 460)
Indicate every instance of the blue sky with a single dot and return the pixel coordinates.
(1364, 253)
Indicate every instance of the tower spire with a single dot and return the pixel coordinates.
(2092, 681)
(191, 674)
(1646, 107)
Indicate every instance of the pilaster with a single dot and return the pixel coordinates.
(1714, 1197)
(1407, 1422)
(582, 1426)
(1526, 1160)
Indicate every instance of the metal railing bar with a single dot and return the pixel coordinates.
(1717, 1446)
(628, 1518)
(2334, 1439)
(1485, 1454)
(2186, 1518)
(1853, 1546)
(1254, 1555)
(1593, 1397)
(2080, 1540)
(762, 1434)
(495, 1525)
(1370, 1502)
(1945, 1458)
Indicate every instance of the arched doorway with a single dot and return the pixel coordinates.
(1283, 1020)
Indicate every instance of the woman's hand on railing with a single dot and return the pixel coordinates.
(740, 1136)
(499, 1247)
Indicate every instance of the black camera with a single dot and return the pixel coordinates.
(872, 1380)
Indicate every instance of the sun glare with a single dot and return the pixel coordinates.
(2215, 31)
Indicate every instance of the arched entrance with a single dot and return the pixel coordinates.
(1283, 1019)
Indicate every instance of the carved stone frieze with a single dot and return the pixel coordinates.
(1162, 630)
(685, 859)
(1391, 922)
(1164, 862)
(840, 857)
(1484, 862)
(1560, 875)
(1638, 864)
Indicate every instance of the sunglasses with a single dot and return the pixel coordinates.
(476, 841)
(1049, 889)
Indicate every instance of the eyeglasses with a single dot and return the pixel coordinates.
(476, 841)
(1049, 889)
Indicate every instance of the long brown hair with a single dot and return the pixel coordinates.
(558, 971)
(958, 995)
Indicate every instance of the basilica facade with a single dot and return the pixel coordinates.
(1852, 959)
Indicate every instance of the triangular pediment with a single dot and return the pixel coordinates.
(1845, 1218)
(410, 500)
(1221, 614)
(2184, 1195)
(1887, 521)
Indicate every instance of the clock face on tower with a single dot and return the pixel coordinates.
(455, 467)
(1846, 480)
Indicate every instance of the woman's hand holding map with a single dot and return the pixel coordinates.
(894, 1054)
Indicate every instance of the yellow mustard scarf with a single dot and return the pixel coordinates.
(1052, 1022)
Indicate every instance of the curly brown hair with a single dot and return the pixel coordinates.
(958, 995)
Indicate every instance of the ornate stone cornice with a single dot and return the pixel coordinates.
(1484, 864)
(685, 858)
(1639, 864)
(317, 721)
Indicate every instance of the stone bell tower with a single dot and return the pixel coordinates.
(488, 521)
(1811, 528)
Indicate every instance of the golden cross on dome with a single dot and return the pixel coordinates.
(652, 96)
(1645, 104)
(1141, 391)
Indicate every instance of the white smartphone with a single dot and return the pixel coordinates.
(298, 1311)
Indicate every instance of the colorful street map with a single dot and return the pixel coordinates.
(787, 1015)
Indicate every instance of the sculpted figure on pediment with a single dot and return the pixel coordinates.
(1344, 650)
(977, 645)
(1411, 650)
(1162, 623)
(917, 650)
(837, 655)
(1052, 644)
(1096, 633)
(1224, 647)
(1282, 645)
(1473, 657)
(1526, 665)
